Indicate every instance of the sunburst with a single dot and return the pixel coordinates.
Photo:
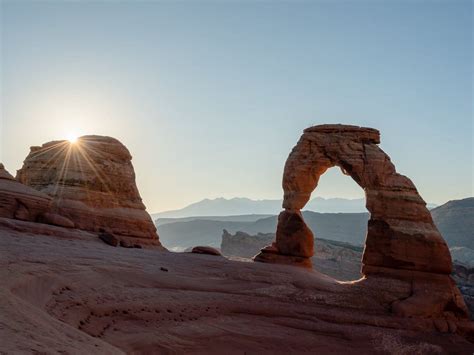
(72, 138)
(69, 159)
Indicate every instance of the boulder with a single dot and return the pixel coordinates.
(109, 239)
(271, 254)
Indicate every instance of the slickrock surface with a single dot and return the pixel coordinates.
(24, 203)
(77, 295)
(340, 260)
(92, 182)
(402, 241)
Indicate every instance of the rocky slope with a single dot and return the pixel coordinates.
(91, 182)
(463, 274)
(455, 221)
(464, 277)
(463, 255)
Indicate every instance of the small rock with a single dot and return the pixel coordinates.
(163, 269)
(206, 250)
(125, 244)
(109, 239)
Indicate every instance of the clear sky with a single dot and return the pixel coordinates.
(210, 97)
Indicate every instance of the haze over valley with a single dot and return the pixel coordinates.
(454, 219)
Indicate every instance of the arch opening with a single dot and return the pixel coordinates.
(337, 216)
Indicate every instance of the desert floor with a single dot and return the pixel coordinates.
(67, 292)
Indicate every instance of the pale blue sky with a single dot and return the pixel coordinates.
(210, 97)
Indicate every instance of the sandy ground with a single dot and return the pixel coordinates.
(72, 294)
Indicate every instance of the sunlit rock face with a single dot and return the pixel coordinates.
(92, 182)
(402, 241)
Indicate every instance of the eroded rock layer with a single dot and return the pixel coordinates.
(24, 203)
(402, 241)
(91, 182)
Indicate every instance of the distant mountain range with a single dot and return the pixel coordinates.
(245, 206)
(455, 220)
(241, 206)
(179, 235)
(239, 218)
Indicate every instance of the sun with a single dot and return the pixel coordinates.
(72, 138)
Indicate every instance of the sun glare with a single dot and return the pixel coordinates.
(72, 138)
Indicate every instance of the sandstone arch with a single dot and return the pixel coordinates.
(402, 244)
(401, 233)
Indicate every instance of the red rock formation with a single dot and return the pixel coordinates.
(293, 237)
(21, 202)
(92, 182)
(402, 241)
